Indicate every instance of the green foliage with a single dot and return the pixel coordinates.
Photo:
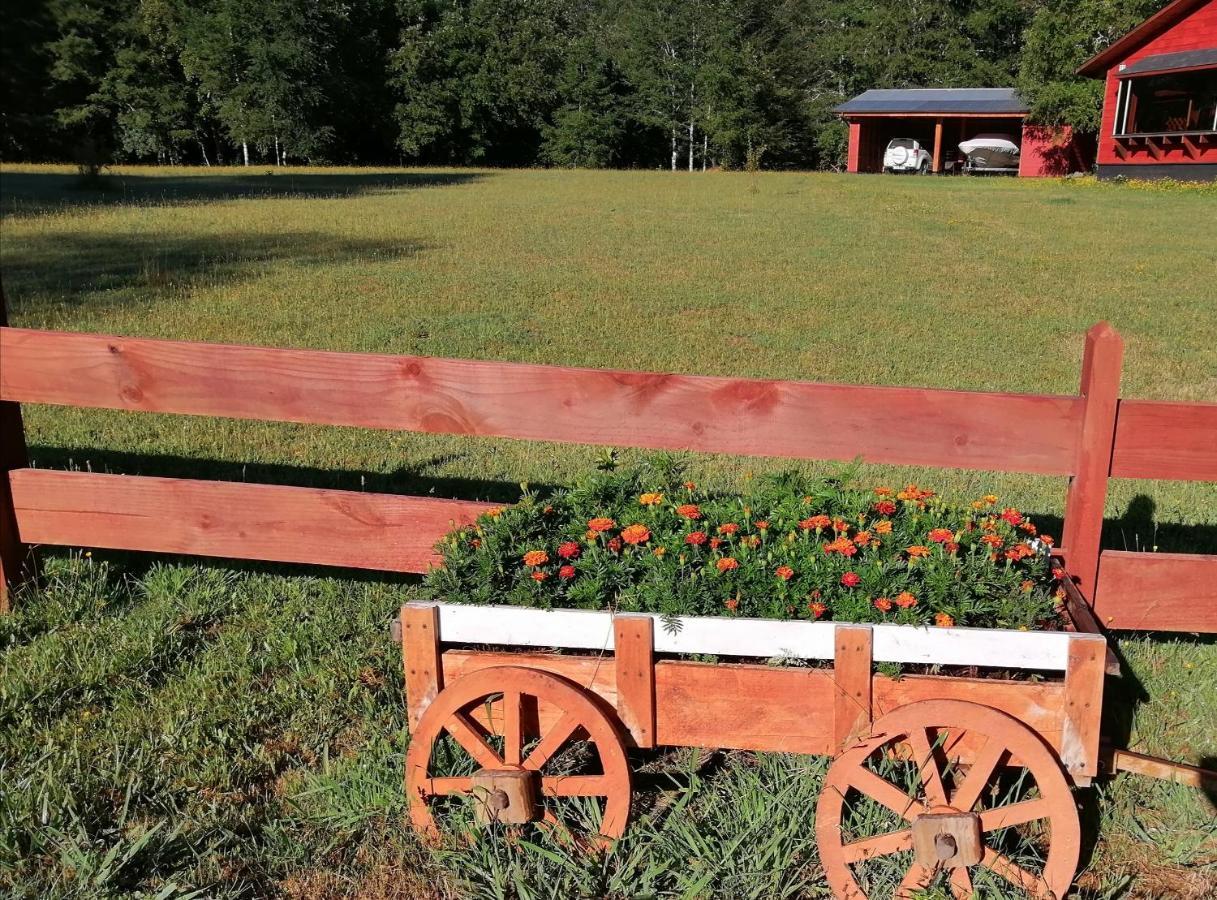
(787, 547)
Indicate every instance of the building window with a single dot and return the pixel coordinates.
(1176, 103)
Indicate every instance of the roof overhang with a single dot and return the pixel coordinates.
(1097, 65)
(936, 102)
(1183, 61)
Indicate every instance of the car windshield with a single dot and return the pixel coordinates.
(906, 143)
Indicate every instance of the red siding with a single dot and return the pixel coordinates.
(1049, 151)
(1196, 31)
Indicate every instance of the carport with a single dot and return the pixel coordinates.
(935, 117)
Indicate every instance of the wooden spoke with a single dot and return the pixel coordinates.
(1015, 814)
(552, 742)
(513, 734)
(1016, 874)
(927, 766)
(575, 785)
(468, 734)
(961, 884)
(979, 772)
(992, 737)
(880, 845)
(915, 880)
(443, 787)
(883, 791)
(522, 690)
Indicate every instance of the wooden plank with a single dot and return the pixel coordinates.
(1087, 496)
(242, 521)
(852, 711)
(1082, 618)
(1157, 591)
(797, 420)
(1163, 770)
(1079, 750)
(1173, 441)
(14, 555)
(421, 659)
(634, 659)
(763, 638)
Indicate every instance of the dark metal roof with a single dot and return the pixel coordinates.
(981, 101)
(1168, 62)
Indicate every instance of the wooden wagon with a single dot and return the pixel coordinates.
(1028, 702)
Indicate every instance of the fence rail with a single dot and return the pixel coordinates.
(1090, 437)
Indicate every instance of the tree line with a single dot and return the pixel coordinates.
(682, 84)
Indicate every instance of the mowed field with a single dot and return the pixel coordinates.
(170, 727)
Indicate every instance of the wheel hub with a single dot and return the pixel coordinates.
(947, 838)
(507, 796)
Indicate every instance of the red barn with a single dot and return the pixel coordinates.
(1160, 103)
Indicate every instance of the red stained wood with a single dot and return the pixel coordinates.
(242, 521)
(1158, 591)
(798, 420)
(634, 658)
(421, 659)
(1084, 503)
(1166, 440)
(1079, 748)
(852, 684)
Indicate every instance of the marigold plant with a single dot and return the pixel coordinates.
(788, 547)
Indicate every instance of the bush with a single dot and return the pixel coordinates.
(788, 547)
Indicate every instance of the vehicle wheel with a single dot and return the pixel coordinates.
(924, 168)
(524, 742)
(947, 790)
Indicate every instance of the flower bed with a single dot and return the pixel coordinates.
(787, 547)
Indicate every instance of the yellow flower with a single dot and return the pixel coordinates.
(651, 499)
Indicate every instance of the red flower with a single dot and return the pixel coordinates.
(817, 609)
(883, 604)
(784, 572)
(475, 543)
(941, 535)
(842, 545)
(539, 576)
(615, 545)
(851, 579)
(731, 604)
(1011, 515)
(569, 550)
(690, 511)
(728, 528)
(715, 543)
(761, 526)
(601, 523)
(695, 538)
(885, 507)
(567, 572)
(820, 521)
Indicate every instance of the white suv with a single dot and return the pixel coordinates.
(906, 155)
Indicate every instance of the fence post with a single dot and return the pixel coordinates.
(1081, 540)
(14, 556)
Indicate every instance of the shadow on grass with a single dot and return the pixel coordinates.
(38, 193)
(56, 271)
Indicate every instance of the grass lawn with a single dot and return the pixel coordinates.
(169, 727)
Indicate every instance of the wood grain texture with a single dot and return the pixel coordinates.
(797, 420)
(1173, 441)
(634, 658)
(1084, 503)
(1157, 591)
(851, 674)
(14, 555)
(1079, 749)
(420, 656)
(241, 521)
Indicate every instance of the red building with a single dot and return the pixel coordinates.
(1160, 103)
(942, 118)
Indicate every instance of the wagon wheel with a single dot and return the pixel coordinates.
(542, 720)
(978, 787)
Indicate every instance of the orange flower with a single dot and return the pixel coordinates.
(883, 491)
(591, 535)
(689, 511)
(817, 609)
(1012, 515)
(690, 486)
(917, 550)
(885, 507)
(817, 522)
(539, 576)
(941, 535)
(883, 528)
(905, 600)
(942, 620)
(883, 604)
(651, 499)
(536, 558)
(842, 545)
(761, 526)
(1027, 586)
(1027, 526)
(660, 552)
(569, 550)
(695, 538)
(990, 499)
(784, 572)
(731, 604)
(636, 534)
(992, 540)
(727, 564)
(752, 540)
(840, 525)
(851, 579)
(600, 523)
(1047, 539)
(567, 572)
(862, 538)
(729, 528)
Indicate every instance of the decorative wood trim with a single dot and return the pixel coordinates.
(14, 554)
(1083, 706)
(1087, 495)
(422, 658)
(791, 419)
(634, 660)
(852, 705)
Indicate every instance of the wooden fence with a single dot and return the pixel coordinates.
(1091, 437)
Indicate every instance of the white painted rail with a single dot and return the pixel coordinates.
(763, 638)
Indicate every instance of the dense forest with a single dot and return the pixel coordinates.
(592, 83)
